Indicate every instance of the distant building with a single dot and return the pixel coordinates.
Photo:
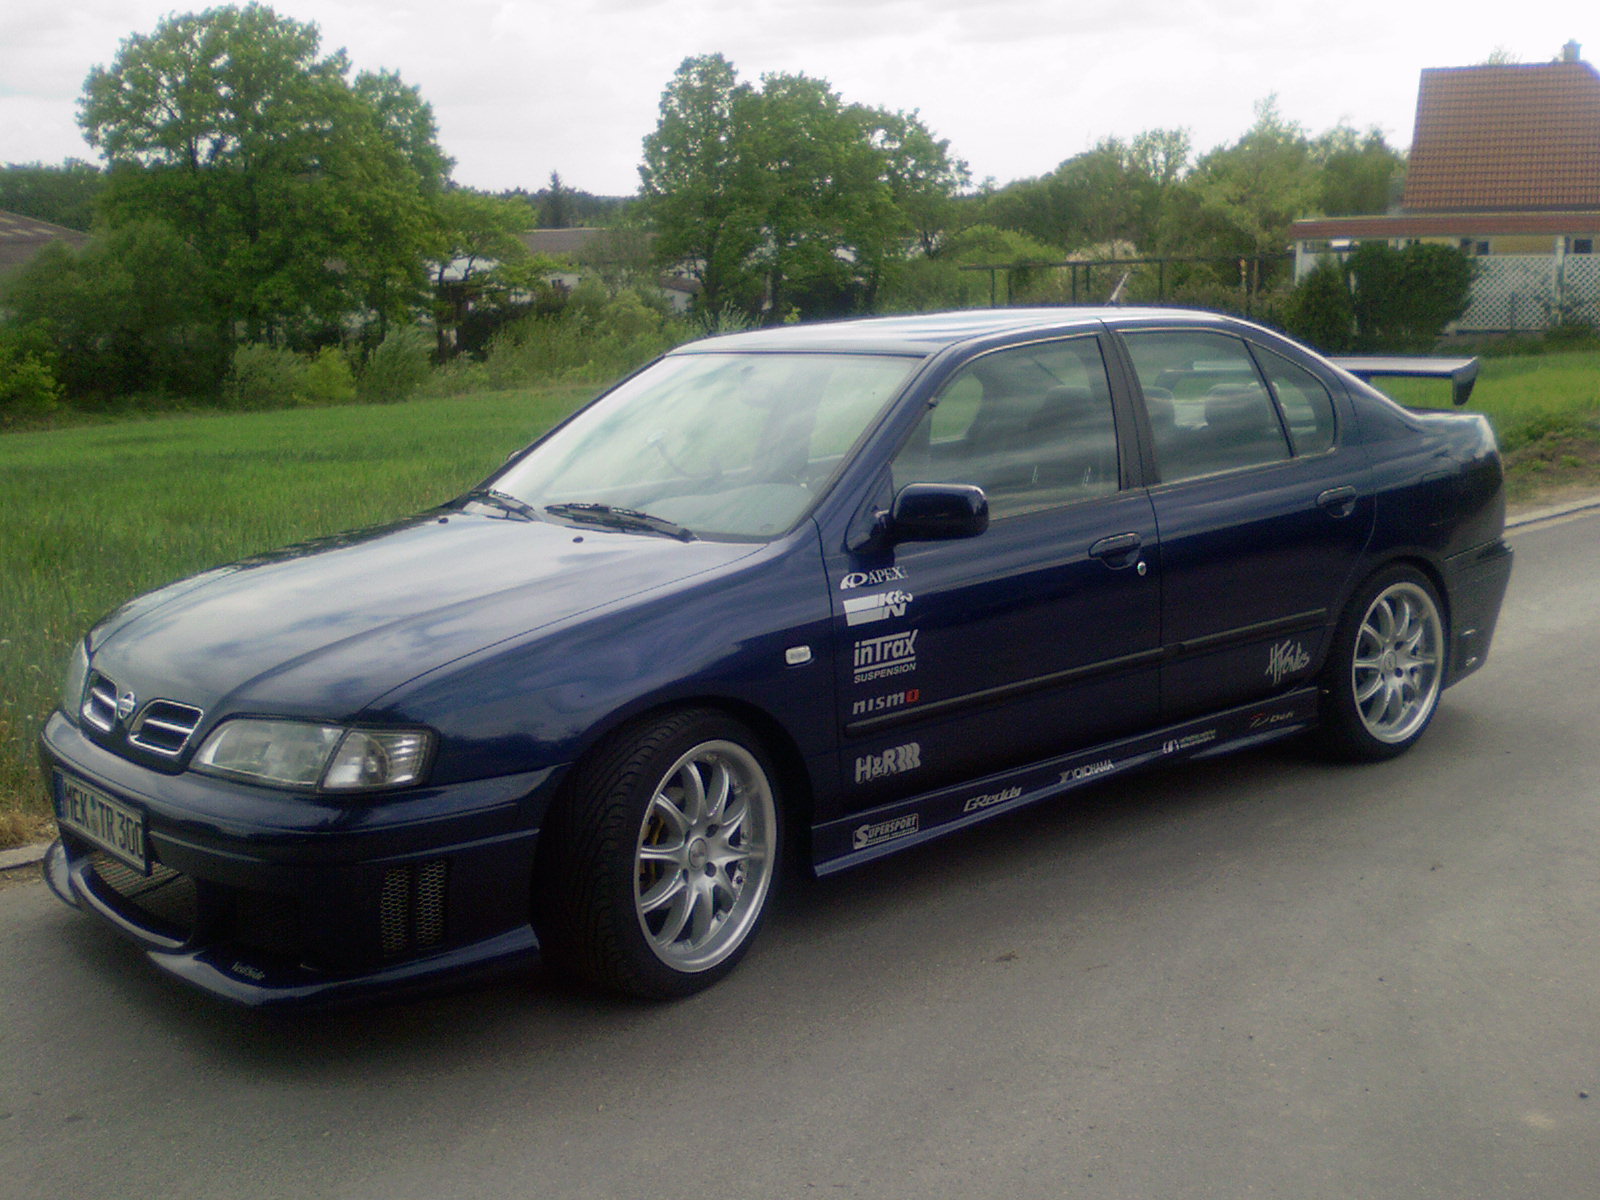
(1505, 164)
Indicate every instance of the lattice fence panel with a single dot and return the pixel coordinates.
(1580, 287)
(1512, 291)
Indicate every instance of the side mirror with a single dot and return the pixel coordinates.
(938, 512)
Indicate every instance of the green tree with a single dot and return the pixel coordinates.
(1359, 173)
(63, 195)
(129, 313)
(1403, 299)
(788, 199)
(305, 197)
(1245, 196)
(699, 185)
(481, 264)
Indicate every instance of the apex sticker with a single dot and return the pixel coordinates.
(876, 578)
(880, 606)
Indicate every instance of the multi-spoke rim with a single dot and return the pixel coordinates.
(704, 859)
(1397, 667)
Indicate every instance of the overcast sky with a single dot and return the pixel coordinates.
(522, 88)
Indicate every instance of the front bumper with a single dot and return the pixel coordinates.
(274, 899)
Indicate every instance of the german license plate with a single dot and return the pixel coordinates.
(116, 827)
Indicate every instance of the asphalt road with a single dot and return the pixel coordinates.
(1257, 977)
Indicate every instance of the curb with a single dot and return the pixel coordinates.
(1549, 514)
(22, 856)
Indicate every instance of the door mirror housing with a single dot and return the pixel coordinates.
(938, 512)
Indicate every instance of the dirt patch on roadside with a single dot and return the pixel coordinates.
(1556, 468)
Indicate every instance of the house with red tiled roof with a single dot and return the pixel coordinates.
(1505, 164)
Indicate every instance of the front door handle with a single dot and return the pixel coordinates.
(1338, 502)
(1118, 550)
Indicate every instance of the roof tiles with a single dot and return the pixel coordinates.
(1506, 137)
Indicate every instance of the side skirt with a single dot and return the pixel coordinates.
(862, 837)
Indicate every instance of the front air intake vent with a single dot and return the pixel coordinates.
(411, 907)
(164, 727)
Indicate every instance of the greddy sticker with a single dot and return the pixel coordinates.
(884, 831)
(896, 760)
(880, 606)
(881, 657)
(876, 578)
(878, 704)
(981, 802)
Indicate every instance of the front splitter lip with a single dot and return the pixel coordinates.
(224, 973)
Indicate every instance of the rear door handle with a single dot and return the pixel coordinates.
(1338, 502)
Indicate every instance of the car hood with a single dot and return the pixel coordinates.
(323, 629)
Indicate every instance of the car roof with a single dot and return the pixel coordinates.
(927, 333)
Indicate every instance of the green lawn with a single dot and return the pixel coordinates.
(94, 515)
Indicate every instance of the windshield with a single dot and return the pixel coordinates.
(721, 445)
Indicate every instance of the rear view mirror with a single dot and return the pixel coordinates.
(936, 512)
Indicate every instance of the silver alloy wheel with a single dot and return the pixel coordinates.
(704, 858)
(1398, 663)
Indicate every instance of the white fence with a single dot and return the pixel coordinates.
(1532, 291)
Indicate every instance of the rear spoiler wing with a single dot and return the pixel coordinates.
(1461, 372)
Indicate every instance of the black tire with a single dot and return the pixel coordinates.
(1386, 668)
(657, 864)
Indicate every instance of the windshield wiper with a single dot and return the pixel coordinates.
(504, 501)
(618, 518)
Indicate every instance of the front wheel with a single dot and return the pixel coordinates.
(657, 865)
(1386, 669)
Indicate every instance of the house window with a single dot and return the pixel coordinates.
(1579, 245)
(1471, 246)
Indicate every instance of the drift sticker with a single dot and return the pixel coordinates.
(896, 760)
(881, 657)
(880, 606)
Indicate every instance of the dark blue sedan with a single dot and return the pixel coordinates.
(826, 591)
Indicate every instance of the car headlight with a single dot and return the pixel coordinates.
(77, 678)
(299, 754)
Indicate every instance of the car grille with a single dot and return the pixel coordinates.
(165, 898)
(100, 703)
(162, 727)
(165, 727)
(412, 907)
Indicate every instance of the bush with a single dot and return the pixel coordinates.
(1403, 299)
(1320, 310)
(263, 377)
(397, 368)
(329, 379)
(29, 390)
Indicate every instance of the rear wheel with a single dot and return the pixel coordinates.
(1386, 669)
(657, 865)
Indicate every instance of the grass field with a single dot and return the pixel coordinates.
(94, 515)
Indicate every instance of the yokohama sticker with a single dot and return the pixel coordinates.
(880, 606)
(884, 831)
